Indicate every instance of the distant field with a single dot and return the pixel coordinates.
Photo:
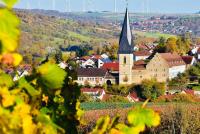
(153, 34)
(87, 106)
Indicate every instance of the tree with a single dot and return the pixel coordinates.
(161, 47)
(151, 89)
(183, 44)
(111, 50)
(180, 82)
(171, 45)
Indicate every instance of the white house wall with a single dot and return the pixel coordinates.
(175, 70)
(89, 62)
(140, 58)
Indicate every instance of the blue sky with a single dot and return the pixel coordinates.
(155, 6)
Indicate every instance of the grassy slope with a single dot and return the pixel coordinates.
(51, 31)
(153, 34)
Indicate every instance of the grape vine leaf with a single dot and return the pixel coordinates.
(51, 76)
(29, 88)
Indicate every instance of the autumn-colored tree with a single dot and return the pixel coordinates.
(171, 44)
(111, 50)
(152, 89)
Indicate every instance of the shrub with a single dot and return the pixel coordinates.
(150, 89)
(178, 98)
(116, 98)
(86, 98)
(118, 89)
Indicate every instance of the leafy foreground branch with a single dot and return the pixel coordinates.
(46, 102)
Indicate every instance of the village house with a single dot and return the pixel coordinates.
(141, 55)
(95, 76)
(132, 97)
(94, 61)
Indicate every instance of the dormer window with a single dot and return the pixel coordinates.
(124, 59)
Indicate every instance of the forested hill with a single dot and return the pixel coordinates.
(40, 30)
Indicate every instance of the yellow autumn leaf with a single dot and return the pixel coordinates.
(7, 98)
(22, 109)
(115, 131)
(28, 125)
(17, 59)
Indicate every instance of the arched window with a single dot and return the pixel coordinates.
(124, 59)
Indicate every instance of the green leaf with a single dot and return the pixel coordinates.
(143, 117)
(6, 80)
(29, 88)
(44, 110)
(51, 76)
(45, 119)
(10, 3)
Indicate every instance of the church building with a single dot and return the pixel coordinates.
(163, 66)
(132, 66)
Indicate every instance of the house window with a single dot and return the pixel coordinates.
(124, 59)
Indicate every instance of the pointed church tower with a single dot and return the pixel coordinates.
(125, 52)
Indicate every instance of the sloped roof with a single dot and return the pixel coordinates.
(85, 57)
(91, 72)
(125, 42)
(113, 66)
(142, 53)
(187, 91)
(133, 95)
(172, 59)
(187, 59)
(92, 90)
(140, 64)
(97, 57)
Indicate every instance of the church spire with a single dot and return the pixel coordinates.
(125, 42)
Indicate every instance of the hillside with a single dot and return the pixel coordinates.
(40, 31)
(44, 29)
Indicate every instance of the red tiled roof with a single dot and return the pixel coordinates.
(106, 97)
(85, 57)
(191, 92)
(92, 90)
(113, 66)
(133, 95)
(140, 64)
(142, 53)
(97, 56)
(172, 59)
(187, 59)
(143, 46)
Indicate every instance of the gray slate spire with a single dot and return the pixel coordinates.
(126, 41)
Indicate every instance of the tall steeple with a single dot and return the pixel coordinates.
(126, 41)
